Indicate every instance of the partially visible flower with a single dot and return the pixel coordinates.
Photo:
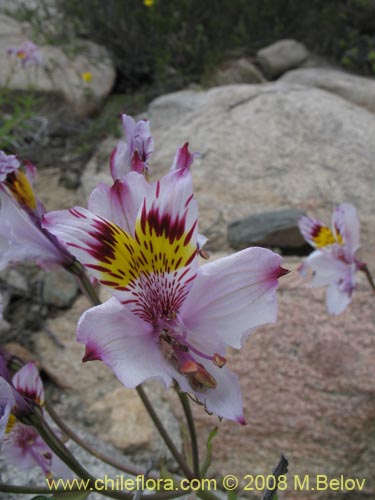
(86, 76)
(134, 154)
(184, 159)
(148, 3)
(28, 53)
(21, 235)
(169, 319)
(6, 404)
(333, 262)
(22, 444)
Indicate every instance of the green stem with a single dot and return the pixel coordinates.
(85, 284)
(41, 490)
(104, 458)
(58, 447)
(363, 267)
(164, 434)
(33, 490)
(191, 426)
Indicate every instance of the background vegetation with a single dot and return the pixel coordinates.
(175, 41)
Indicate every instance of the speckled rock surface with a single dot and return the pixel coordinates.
(308, 385)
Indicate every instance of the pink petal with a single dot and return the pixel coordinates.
(230, 296)
(21, 240)
(225, 400)
(119, 162)
(125, 343)
(27, 381)
(183, 159)
(26, 449)
(121, 202)
(8, 164)
(7, 401)
(345, 222)
(310, 228)
(327, 268)
(336, 300)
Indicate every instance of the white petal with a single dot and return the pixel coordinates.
(336, 300)
(121, 202)
(230, 296)
(28, 382)
(345, 222)
(124, 342)
(225, 400)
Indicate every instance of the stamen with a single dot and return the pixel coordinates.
(189, 367)
(219, 360)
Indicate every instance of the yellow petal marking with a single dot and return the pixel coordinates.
(21, 189)
(325, 237)
(11, 421)
(123, 259)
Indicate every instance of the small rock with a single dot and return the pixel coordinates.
(15, 280)
(270, 229)
(239, 71)
(4, 326)
(59, 289)
(282, 56)
(70, 179)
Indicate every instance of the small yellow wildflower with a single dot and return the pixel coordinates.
(86, 76)
(148, 3)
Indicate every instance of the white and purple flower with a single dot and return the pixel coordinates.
(134, 154)
(333, 262)
(28, 53)
(169, 319)
(22, 445)
(21, 236)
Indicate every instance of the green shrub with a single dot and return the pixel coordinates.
(174, 41)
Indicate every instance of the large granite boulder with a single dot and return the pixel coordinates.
(271, 146)
(82, 72)
(356, 89)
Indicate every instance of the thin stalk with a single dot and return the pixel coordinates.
(36, 490)
(42, 490)
(363, 267)
(164, 434)
(191, 426)
(90, 449)
(62, 452)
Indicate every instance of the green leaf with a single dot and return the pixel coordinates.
(208, 459)
(41, 497)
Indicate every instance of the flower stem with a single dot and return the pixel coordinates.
(79, 272)
(363, 267)
(12, 488)
(191, 426)
(164, 434)
(93, 451)
(58, 447)
(42, 490)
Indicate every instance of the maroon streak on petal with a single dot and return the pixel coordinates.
(91, 354)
